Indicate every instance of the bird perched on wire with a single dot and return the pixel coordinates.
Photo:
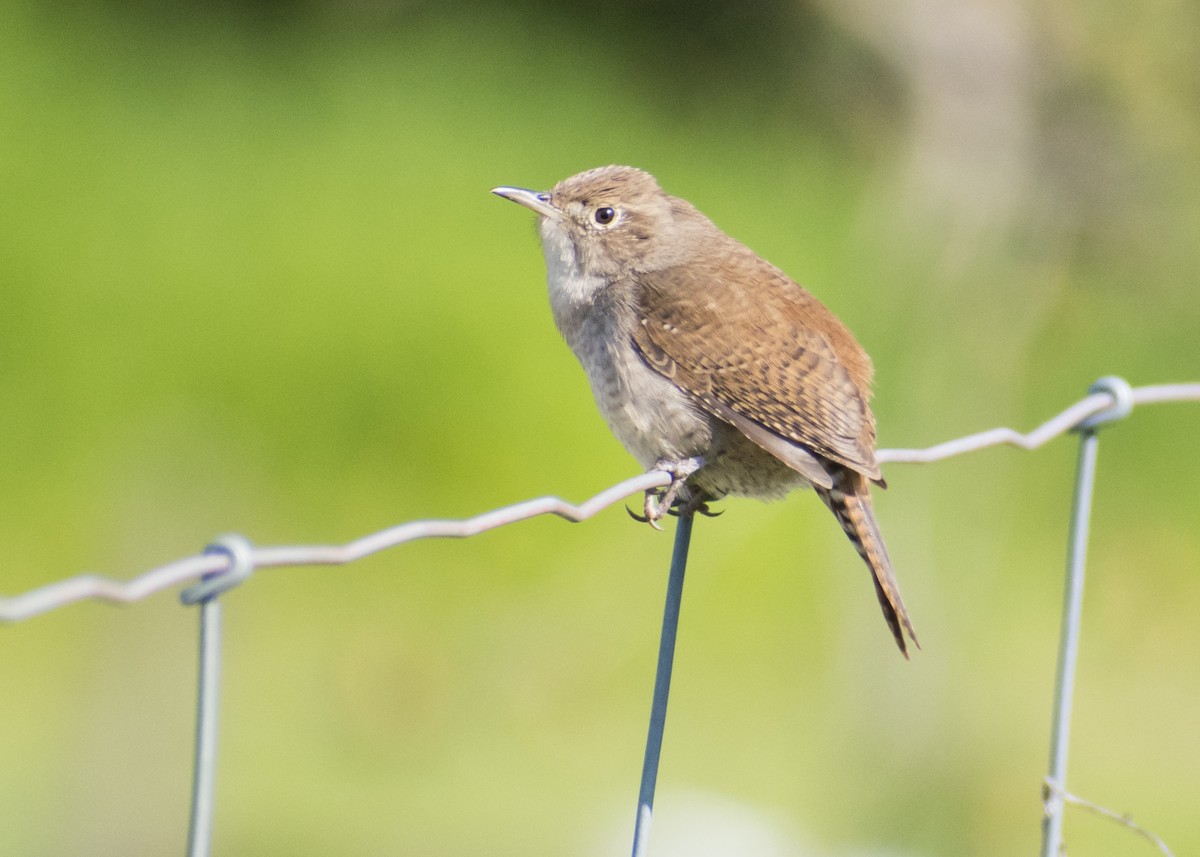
(709, 362)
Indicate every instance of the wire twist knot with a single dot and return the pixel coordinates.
(1121, 407)
(241, 566)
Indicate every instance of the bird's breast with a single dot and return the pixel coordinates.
(651, 417)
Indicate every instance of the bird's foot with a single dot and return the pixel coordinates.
(695, 506)
(659, 501)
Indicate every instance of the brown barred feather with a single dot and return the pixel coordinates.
(850, 500)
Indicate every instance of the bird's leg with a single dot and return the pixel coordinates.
(659, 501)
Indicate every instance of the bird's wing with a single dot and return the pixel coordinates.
(775, 357)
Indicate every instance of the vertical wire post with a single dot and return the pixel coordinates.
(207, 707)
(1068, 648)
(207, 594)
(662, 683)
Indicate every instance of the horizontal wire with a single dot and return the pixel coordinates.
(92, 586)
(1054, 427)
(84, 586)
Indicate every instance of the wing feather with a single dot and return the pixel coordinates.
(776, 358)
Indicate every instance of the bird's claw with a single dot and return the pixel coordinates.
(700, 507)
(648, 518)
(661, 502)
(652, 509)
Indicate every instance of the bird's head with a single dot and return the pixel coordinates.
(608, 220)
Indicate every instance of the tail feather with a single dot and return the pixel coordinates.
(850, 501)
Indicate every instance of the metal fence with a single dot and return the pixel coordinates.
(231, 559)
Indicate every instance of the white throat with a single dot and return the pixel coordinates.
(570, 288)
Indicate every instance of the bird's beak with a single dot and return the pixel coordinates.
(536, 200)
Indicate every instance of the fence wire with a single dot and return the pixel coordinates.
(231, 559)
(85, 586)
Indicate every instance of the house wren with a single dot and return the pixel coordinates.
(709, 362)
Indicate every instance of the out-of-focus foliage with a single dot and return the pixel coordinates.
(251, 279)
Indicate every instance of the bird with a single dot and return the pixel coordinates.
(708, 362)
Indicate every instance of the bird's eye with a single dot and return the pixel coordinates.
(604, 215)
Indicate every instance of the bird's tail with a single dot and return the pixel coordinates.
(850, 500)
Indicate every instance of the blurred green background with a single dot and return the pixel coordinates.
(252, 280)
